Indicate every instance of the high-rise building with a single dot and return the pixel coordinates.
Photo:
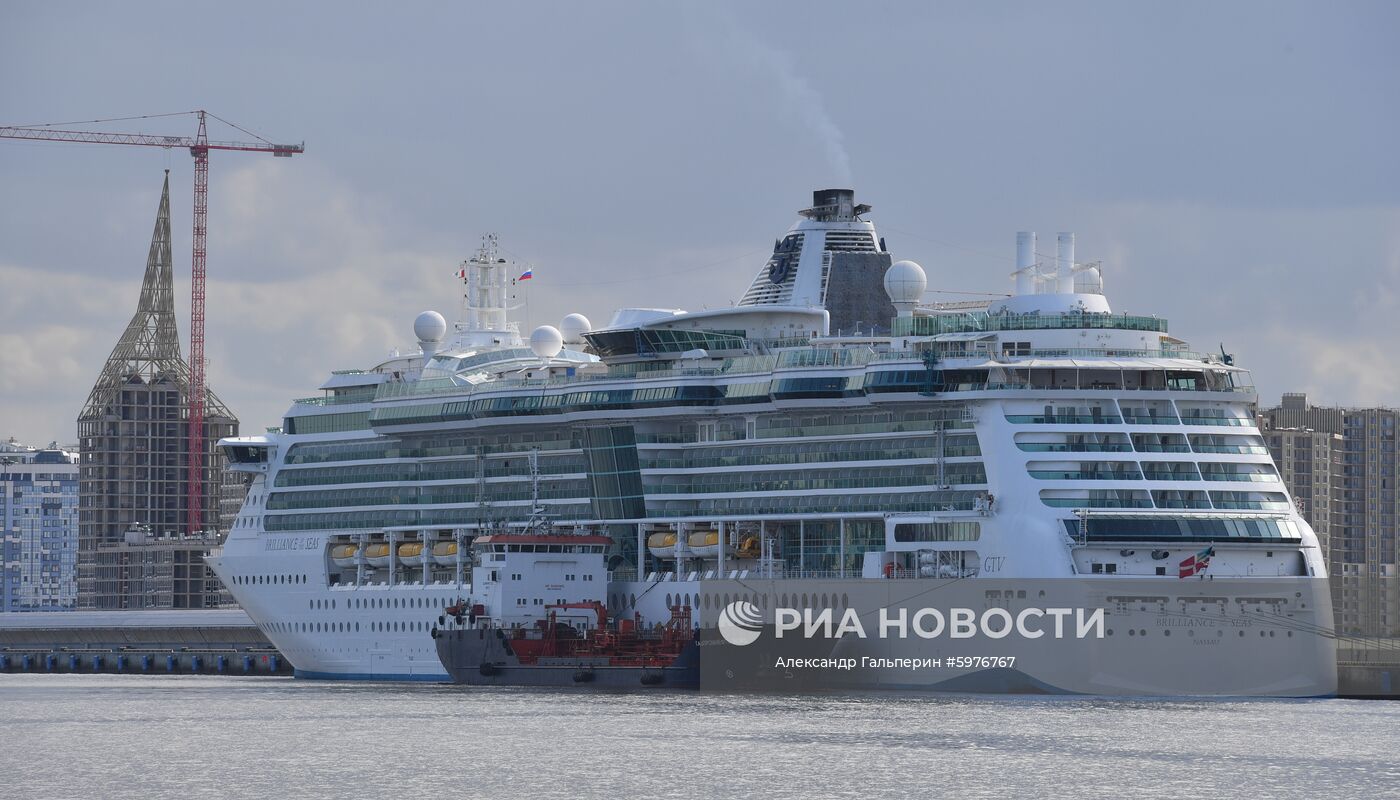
(38, 528)
(134, 434)
(1340, 464)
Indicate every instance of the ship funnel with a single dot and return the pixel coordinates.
(1025, 262)
(1064, 264)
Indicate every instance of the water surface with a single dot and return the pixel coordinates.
(204, 736)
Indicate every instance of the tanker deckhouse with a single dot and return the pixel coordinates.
(831, 442)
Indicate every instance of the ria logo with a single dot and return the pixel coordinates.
(740, 623)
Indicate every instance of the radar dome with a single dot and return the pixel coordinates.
(905, 282)
(546, 341)
(574, 327)
(430, 327)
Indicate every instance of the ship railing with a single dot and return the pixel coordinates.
(336, 399)
(786, 359)
(1053, 352)
(978, 321)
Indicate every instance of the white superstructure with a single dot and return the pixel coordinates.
(1039, 443)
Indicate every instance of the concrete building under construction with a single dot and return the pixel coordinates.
(134, 437)
(1340, 465)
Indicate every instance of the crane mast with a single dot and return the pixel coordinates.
(194, 477)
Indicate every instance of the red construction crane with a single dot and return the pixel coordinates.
(199, 147)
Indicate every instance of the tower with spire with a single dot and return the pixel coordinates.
(134, 439)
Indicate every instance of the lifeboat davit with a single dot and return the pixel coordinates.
(445, 553)
(411, 553)
(705, 544)
(377, 555)
(662, 545)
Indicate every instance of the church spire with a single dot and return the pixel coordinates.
(158, 287)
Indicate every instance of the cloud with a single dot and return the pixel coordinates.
(1308, 298)
(305, 277)
(1339, 370)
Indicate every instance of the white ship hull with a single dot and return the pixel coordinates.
(1250, 637)
(373, 632)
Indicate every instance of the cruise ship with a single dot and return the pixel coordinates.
(830, 441)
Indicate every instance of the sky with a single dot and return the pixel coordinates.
(1233, 165)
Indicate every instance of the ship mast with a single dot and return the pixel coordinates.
(483, 302)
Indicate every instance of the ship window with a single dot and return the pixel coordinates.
(938, 532)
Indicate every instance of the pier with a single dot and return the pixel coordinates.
(139, 642)
(1369, 669)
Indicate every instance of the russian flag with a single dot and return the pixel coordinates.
(526, 275)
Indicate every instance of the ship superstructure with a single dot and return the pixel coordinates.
(831, 439)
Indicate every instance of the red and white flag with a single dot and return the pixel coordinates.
(1196, 563)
